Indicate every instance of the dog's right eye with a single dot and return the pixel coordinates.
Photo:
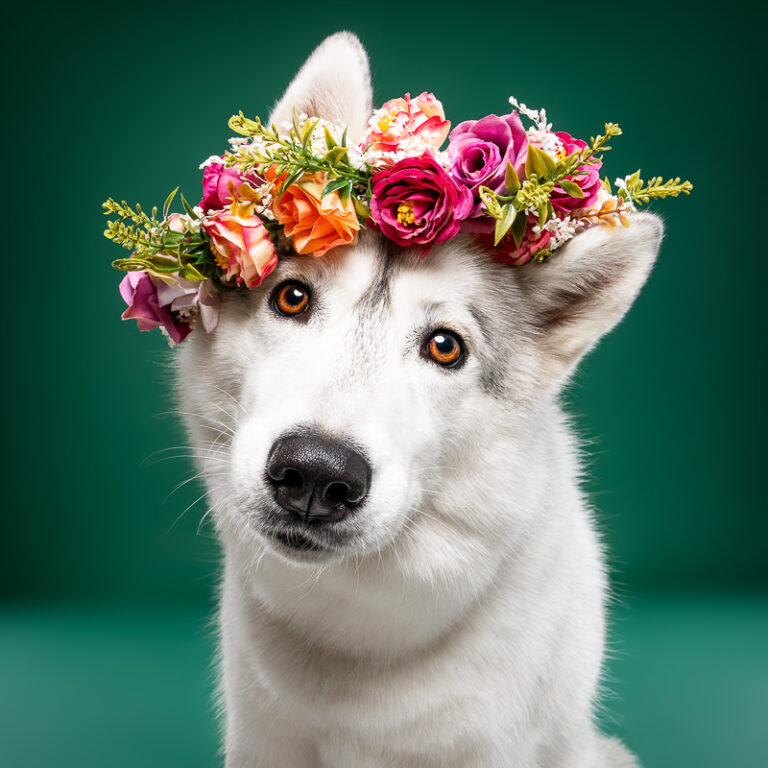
(291, 298)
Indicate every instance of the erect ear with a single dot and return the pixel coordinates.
(586, 288)
(334, 83)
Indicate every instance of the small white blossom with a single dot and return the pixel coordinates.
(212, 160)
(560, 229)
(543, 138)
(539, 116)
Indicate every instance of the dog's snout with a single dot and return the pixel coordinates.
(317, 478)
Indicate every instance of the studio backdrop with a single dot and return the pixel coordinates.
(108, 578)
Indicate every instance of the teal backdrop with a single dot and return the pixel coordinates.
(107, 582)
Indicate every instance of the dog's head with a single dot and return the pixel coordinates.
(375, 399)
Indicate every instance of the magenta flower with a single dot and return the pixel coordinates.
(415, 202)
(480, 150)
(218, 183)
(589, 182)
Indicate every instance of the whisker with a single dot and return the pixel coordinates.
(180, 485)
(202, 496)
(200, 416)
(230, 396)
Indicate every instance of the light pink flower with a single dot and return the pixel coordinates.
(189, 296)
(242, 247)
(178, 222)
(398, 120)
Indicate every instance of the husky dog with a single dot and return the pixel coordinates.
(412, 575)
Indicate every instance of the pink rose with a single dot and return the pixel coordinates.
(417, 203)
(480, 151)
(218, 183)
(189, 298)
(399, 120)
(139, 291)
(169, 303)
(242, 247)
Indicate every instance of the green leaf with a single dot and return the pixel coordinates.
(508, 216)
(188, 272)
(344, 136)
(634, 182)
(290, 180)
(330, 142)
(171, 239)
(163, 263)
(539, 162)
(334, 186)
(511, 179)
(188, 208)
(518, 228)
(361, 209)
(573, 189)
(307, 131)
(130, 265)
(335, 155)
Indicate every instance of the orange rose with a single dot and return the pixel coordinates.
(242, 247)
(316, 222)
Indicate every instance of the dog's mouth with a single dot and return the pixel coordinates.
(297, 542)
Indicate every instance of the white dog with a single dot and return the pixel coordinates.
(412, 575)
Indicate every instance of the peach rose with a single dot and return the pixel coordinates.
(398, 120)
(242, 247)
(316, 222)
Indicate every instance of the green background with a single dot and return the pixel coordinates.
(107, 587)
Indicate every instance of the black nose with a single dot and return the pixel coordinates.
(317, 478)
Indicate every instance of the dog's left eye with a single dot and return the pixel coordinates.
(445, 349)
(291, 298)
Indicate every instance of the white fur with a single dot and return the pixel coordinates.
(463, 626)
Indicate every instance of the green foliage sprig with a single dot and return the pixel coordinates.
(293, 156)
(543, 173)
(155, 247)
(638, 192)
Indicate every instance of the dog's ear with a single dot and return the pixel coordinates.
(587, 287)
(334, 83)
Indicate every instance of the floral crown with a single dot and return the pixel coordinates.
(300, 187)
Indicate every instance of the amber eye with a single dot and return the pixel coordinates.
(291, 298)
(445, 349)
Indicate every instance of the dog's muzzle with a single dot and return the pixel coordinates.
(316, 479)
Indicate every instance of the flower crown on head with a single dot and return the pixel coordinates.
(300, 187)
